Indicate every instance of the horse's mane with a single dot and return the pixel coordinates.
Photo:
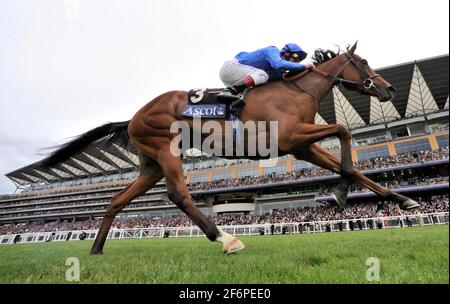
(321, 55)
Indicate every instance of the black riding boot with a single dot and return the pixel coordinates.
(233, 95)
(237, 89)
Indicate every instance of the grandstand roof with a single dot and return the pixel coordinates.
(422, 87)
(97, 159)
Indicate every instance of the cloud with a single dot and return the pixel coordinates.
(17, 152)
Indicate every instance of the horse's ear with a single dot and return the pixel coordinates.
(353, 48)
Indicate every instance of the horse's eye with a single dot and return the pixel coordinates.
(364, 61)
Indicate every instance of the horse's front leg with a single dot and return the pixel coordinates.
(305, 135)
(320, 157)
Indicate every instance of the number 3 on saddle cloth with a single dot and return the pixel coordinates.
(213, 103)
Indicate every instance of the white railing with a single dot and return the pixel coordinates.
(428, 219)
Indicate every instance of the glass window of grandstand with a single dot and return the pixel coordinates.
(248, 172)
(199, 179)
(97, 179)
(281, 168)
(400, 131)
(130, 175)
(222, 175)
(372, 153)
(375, 138)
(417, 129)
(301, 164)
(413, 146)
(221, 162)
(206, 164)
(438, 125)
(442, 141)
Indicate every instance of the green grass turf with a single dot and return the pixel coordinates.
(409, 255)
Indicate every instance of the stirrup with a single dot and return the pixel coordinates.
(237, 105)
(238, 89)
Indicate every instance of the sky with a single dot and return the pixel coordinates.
(67, 66)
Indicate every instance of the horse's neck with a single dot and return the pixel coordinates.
(318, 85)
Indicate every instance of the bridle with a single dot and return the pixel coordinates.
(367, 83)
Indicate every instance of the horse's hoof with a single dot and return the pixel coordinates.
(233, 246)
(409, 205)
(95, 252)
(340, 197)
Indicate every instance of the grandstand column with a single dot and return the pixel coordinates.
(433, 142)
(188, 179)
(391, 149)
(234, 172)
(210, 175)
(289, 165)
(354, 155)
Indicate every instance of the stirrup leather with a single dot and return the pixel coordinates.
(237, 104)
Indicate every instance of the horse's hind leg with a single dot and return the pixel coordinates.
(319, 156)
(149, 174)
(178, 193)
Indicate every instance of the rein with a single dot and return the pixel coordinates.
(367, 83)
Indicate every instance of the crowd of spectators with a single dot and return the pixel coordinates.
(402, 159)
(390, 184)
(370, 164)
(285, 215)
(333, 212)
(100, 205)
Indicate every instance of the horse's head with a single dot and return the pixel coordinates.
(358, 76)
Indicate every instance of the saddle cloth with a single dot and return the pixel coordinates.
(207, 103)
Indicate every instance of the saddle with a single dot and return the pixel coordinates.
(214, 103)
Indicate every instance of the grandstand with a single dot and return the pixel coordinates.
(402, 144)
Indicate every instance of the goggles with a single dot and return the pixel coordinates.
(296, 56)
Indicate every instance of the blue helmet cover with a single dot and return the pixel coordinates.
(293, 48)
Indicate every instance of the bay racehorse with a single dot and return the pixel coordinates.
(292, 102)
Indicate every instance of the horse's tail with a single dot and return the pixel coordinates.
(114, 132)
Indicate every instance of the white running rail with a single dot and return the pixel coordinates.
(427, 219)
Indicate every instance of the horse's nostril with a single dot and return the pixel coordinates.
(392, 89)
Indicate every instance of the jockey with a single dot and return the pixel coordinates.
(248, 69)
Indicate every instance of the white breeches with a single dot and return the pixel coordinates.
(232, 73)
